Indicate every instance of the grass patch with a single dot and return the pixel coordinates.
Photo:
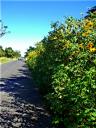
(5, 59)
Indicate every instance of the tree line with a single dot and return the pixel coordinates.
(9, 52)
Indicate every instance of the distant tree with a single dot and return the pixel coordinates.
(17, 54)
(3, 29)
(90, 12)
(93, 9)
(2, 52)
(9, 52)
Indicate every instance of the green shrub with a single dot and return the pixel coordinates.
(64, 66)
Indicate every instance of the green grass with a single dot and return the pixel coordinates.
(5, 60)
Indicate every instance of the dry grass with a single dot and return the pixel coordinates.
(5, 60)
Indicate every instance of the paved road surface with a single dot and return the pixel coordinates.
(20, 102)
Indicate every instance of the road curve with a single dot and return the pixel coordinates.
(20, 102)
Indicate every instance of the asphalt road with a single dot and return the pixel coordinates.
(21, 105)
(10, 69)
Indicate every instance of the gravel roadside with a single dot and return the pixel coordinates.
(21, 105)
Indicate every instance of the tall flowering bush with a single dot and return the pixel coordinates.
(65, 70)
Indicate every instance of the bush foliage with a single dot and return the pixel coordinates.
(64, 66)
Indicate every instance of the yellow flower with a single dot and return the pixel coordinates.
(85, 34)
(86, 27)
(89, 31)
(90, 24)
(80, 46)
(92, 49)
(90, 45)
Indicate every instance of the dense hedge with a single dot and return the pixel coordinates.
(64, 66)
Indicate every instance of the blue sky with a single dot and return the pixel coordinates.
(29, 21)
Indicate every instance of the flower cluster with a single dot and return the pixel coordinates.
(91, 47)
(88, 26)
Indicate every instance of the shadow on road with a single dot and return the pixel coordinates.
(21, 104)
